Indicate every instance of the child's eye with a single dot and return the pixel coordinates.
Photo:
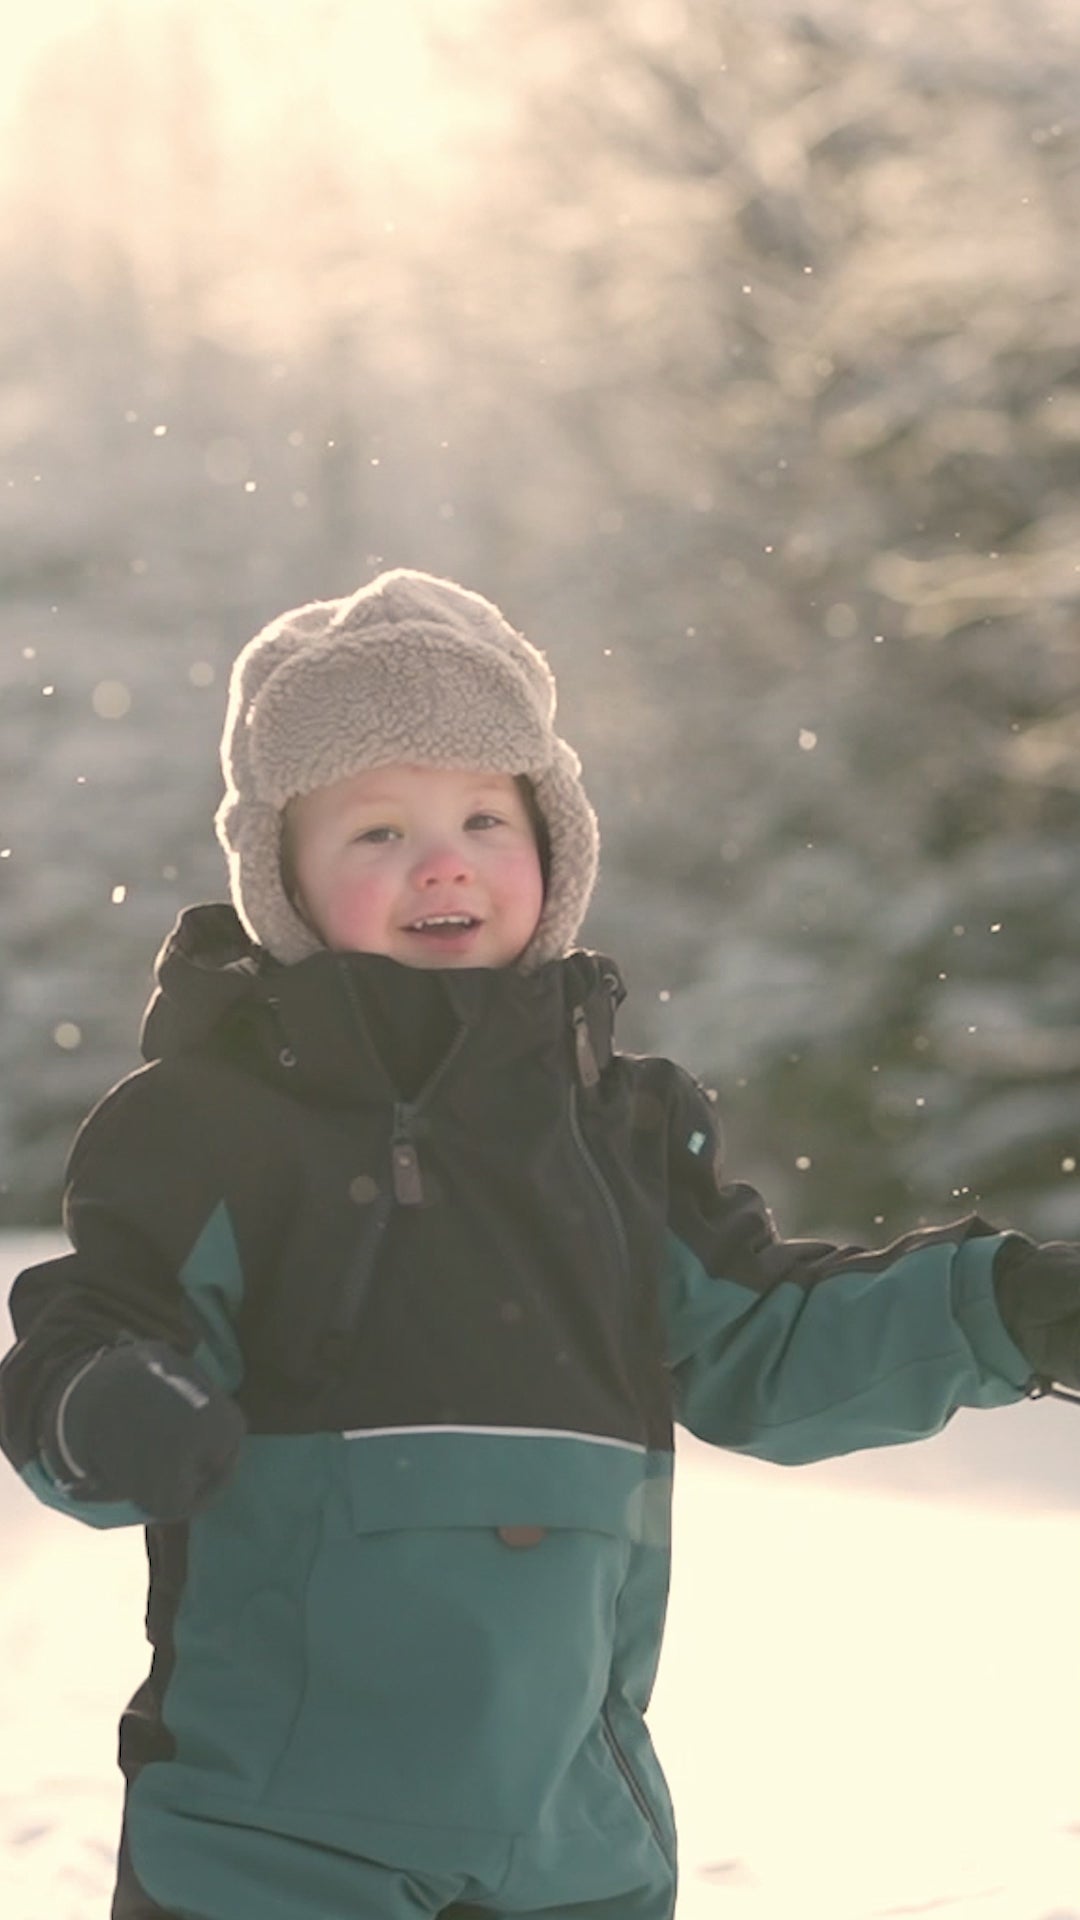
(485, 820)
(375, 836)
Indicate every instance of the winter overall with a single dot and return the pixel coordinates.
(460, 1263)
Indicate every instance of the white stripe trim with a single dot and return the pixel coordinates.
(59, 1428)
(503, 1433)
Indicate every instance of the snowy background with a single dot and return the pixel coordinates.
(734, 349)
(869, 1705)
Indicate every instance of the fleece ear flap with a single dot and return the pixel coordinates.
(574, 839)
(251, 835)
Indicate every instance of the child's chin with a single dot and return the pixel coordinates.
(423, 951)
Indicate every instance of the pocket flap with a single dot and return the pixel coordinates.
(408, 1477)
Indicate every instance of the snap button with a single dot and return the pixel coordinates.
(521, 1536)
(363, 1189)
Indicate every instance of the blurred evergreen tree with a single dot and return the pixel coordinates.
(848, 573)
(736, 353)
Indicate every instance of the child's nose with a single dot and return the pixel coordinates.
(442, 864)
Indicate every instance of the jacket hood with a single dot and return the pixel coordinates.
(211, 978)
(205, 968)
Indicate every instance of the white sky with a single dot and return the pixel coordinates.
(377, 51)
(26, 32)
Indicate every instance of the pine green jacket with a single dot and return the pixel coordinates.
(462, 1264)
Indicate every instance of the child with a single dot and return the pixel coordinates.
(389, 1276)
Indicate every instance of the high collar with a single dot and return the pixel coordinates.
(343, 1026)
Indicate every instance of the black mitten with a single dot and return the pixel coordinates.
(141, 1422)
(1038, 1296)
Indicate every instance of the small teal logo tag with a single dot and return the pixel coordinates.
(696, 1142)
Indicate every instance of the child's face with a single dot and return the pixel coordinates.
(378, 861)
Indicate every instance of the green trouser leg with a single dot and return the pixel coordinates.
(647, 1903)
(224, 1872)
(625, 1876)
(178, 1865)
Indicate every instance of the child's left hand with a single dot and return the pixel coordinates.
(1038, 1295)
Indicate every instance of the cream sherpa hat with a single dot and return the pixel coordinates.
(410, 668)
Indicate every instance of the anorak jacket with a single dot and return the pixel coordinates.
(462, 1264)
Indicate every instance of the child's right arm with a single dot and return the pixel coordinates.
(114, 1401)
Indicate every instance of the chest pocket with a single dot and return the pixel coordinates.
(431, 1647)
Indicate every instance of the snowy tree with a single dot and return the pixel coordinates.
(735, 353)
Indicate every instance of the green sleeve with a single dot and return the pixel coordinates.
(794, 1350)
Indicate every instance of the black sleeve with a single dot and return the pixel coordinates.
(137, 1195)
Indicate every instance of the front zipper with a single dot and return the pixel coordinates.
(405, 1174)
(356, 1285)
(405, 1171)
(406, 1190)
(637, 1791)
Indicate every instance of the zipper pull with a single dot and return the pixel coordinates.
(1043, 1388)
(405, 1165)
(405, 1161)
(583, 1047)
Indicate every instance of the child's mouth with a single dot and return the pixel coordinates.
(444, 929)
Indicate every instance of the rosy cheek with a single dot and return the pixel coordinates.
(361, 900)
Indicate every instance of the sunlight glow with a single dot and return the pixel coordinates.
(254, 162)
(26, 34)
(367, 65)
(364, 64)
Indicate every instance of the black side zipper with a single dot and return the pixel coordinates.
(589, 1075)
(583, 1047)
(637, 1791)
(600, 1184)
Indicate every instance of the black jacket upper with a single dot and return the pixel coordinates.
(372, 1197)
(445, 1205)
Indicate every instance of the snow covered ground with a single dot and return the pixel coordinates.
(869, 1703)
